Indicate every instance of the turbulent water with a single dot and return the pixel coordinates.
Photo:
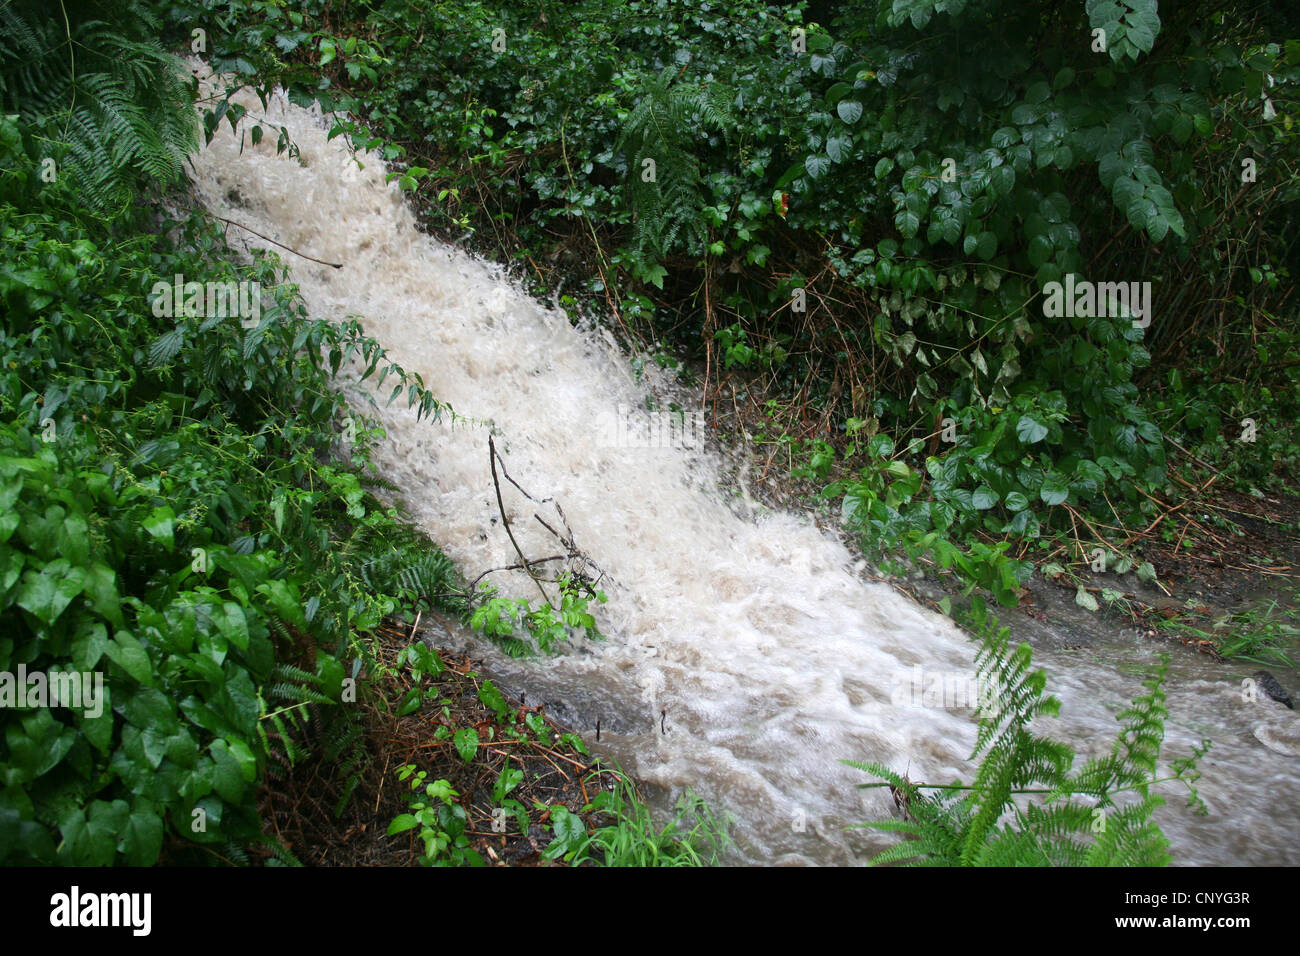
(745, 657)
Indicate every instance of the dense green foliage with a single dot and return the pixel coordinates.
(964, 826)
(103, 105)
(180, 526)
(184, 514)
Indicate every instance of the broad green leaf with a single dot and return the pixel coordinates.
(838, 147)
(817, 166)
(569, 833)
(227, 776)
(1030, 430)
(47, 593)
(130, 655)
(160, 524)
(850, 111)
(492, 699)
(466, 743)
(142, 841)
(1054, 491)
(1015, 501)
(837, 91)
(1040, 250)
(401, 823)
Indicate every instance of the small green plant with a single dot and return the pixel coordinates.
(736, 350)
(1259, 635)
(501, 618)
(879, 505)
(422, 661)
(693, 837)
(440, 819)
(991, 822)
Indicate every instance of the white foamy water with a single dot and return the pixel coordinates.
(772, 659)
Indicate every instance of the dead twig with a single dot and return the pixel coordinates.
(496, 482)
(303, 255)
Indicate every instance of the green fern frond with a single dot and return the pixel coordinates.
(294, 694)
(986, 826)
(105, 100)
(290, 672)
(280, 854)
(235, 853)
(661, 127)
(345, 750)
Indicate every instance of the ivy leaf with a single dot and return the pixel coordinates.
(1084, 599)
(569, 832)
(227, 778)
(1015, 501)
(47, 593)
(492, 699)
(143, 839)
(410, 702)
(466, 742)
(129, 654)
(1030, 430)
(1054, 490)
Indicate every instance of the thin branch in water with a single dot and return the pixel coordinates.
(336, 265)
(496, 482)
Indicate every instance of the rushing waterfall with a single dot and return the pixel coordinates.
(745, 654)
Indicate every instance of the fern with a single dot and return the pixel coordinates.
(281, 855)
(104, 99)
(305, 726)
(345, 750)
(660, 128)
(411, 571)
(963, 826)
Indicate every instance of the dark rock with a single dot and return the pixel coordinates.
(1269, 685)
